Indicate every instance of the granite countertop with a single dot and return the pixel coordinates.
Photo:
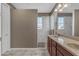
(71, 45)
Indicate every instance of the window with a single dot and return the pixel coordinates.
(60, 22)
(39, 22)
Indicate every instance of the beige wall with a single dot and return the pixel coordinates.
(52, 18)
(23, 29)
(68, 25)
(76, 23)
(53, 21)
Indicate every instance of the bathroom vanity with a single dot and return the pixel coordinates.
(62, 46)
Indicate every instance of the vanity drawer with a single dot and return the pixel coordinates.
(59, 53)
(63, 51)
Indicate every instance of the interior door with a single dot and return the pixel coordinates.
(5, 27)
(23, 28)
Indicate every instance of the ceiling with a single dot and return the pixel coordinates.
(41, 7)
(71, 7)
(45, 7)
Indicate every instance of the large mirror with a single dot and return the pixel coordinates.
(67, 21)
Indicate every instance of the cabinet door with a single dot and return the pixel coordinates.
(63, 51)
(53, 48)
(49, 44)
(58, 53)
(50, 47)
(53, 51)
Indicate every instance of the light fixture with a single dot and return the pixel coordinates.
(56, 10)
(65, 5)
(59, 5)
(60, 10)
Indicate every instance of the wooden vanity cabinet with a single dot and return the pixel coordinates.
(56, 49)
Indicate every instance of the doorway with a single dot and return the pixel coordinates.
(42, 31)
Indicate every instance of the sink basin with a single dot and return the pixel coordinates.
(73, 45)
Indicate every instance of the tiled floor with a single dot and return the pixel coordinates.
(27, 52)
(41, 44)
